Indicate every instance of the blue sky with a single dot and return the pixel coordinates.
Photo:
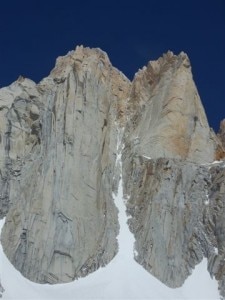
(33, 33)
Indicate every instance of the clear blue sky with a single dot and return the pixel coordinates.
(34, 32)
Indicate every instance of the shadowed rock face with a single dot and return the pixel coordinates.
(166, 204)
(215, 224)
(19, 132)
(58, 145)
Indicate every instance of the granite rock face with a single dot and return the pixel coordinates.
(215, 223)
(166, 204)
(168, 147)
(18, 132)
(168, 117)
(58, 145)
(61, 142)
(221, 133)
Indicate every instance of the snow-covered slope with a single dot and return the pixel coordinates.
(123, 278)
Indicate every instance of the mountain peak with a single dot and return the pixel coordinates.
(172, 113)
(60, 143)
(81, 57)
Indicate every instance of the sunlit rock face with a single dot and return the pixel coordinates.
(58, 145)
(221, 133)
(60, 152)
(168, 148)
(168, 117)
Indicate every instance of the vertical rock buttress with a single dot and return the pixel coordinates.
(168, 146)
(62, 222)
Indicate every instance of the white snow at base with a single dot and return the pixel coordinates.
(121, 279)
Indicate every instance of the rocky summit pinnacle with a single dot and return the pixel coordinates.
(58, 145)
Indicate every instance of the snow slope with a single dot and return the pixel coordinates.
(121, 279)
